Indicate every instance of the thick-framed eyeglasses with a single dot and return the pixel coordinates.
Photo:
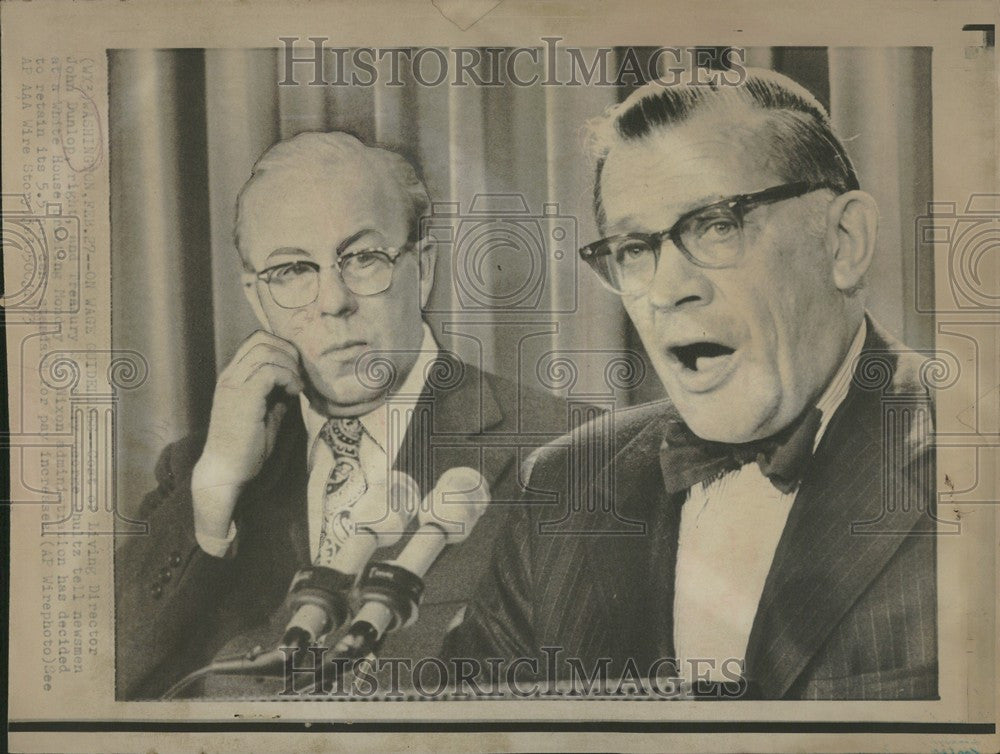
(710, 236)
(365, 272)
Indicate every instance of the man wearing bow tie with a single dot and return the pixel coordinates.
(786, 529)
(343, 384)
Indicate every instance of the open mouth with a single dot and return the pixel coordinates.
(696, 356)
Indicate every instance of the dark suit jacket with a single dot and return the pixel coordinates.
(849, 606)
(177, 607)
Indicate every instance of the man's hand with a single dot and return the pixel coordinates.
(243, 427)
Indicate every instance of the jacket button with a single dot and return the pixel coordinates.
(165, 575)
(156, 591)
(175, 559)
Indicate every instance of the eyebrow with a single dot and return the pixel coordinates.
(695, 204)
(287, 251)
(352, 238)
(295, 251)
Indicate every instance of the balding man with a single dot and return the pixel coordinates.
(787, 548)
(343, 385)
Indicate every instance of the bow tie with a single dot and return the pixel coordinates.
(688, 459)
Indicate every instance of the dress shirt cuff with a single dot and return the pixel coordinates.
(218, 547)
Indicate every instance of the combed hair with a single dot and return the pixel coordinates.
(319, 155)
(798, 138)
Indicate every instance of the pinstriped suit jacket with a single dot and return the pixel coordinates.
(849, 606)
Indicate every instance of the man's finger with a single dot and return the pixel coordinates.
(276, 374)
(260, 353)
(259, 337)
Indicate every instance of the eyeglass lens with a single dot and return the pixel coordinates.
(297, 284)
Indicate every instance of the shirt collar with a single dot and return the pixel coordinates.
(376, 421)
(836, 390)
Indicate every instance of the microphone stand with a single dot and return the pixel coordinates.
(391, 595)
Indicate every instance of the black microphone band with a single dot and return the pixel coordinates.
(321, 577)
(324, 587)
(397, 588)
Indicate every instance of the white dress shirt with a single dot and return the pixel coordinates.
(378, 451)
(729, 532)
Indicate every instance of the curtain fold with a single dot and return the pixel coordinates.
(243, 120)
(160, 244)
(880, 106)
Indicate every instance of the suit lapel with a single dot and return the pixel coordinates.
(824, 559)
(456, 401)
(633, 573)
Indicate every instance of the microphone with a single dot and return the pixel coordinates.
(318, 595)
(391, 591)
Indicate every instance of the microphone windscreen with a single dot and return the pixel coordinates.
(386, 509)
(456, 503)
(404, 494)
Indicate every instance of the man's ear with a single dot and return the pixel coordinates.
(851, 232)
(249, 280)
(427, 254)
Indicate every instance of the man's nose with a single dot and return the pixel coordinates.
(678, 281)
(334, 297)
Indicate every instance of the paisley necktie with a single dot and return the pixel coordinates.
(344, 487)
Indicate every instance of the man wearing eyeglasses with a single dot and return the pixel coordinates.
(787, 549)
(343, 384)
